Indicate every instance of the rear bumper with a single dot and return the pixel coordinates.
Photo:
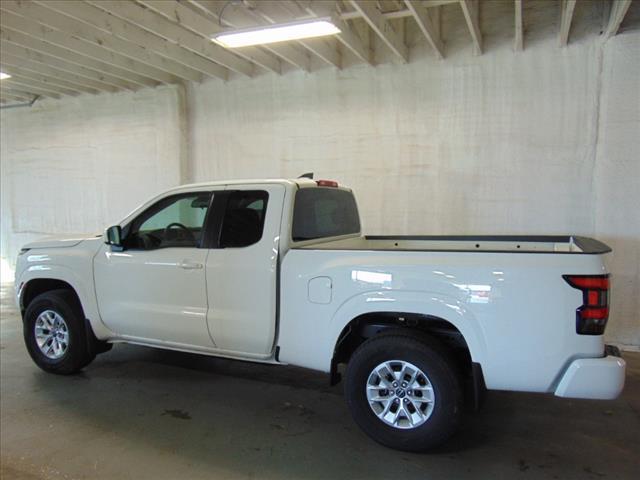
(595, 378)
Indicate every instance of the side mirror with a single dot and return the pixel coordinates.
(114, 237)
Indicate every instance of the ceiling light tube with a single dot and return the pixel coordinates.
(280, 32)
(4, 75)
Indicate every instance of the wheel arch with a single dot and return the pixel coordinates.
(438, 316)
(37, 286)
(371, 324)
(36, 281)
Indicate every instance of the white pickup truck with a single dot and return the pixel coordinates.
(278, 271)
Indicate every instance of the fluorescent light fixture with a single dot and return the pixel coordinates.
(4, 75)
(281, 32)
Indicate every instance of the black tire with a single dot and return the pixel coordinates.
(430, 357)
(78, 354)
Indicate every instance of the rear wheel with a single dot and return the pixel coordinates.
(55, 334)
(403, 391)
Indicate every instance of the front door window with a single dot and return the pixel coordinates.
(175, 221)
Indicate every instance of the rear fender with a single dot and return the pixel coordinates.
(413, 302)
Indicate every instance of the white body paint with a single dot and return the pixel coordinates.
(281, 301)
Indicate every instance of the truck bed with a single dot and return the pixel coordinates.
(460, 243)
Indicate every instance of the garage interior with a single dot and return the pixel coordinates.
(445, 117)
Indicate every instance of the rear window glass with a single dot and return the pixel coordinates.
(324, 212)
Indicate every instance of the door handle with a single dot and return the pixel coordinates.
(190, 265)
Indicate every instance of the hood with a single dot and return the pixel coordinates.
(58, 241)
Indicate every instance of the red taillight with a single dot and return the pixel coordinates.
(600, 282)
(592, 316)
(327, 183)
(594, 313)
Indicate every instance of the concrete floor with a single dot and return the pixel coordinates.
(139, 413)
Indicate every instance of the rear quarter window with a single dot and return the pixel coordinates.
(324, 212)
(244, 217)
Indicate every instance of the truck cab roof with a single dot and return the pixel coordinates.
(293, 182)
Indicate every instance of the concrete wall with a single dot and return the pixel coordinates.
(541, 141)
(74, 166)
(615, 181)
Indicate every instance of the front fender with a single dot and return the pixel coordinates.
(38, 267)
(411, 302)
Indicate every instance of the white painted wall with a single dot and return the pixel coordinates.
(76, 165)
(616, 180)
(542, 141)
(539, 142)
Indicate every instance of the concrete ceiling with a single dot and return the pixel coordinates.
(56, 48)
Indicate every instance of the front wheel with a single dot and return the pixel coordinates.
(403, 391)
(55, 333)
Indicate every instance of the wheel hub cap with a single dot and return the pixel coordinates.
(400, 394)
(52, 334)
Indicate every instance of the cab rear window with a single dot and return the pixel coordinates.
(324, 212)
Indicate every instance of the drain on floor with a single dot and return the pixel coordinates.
(181, 414)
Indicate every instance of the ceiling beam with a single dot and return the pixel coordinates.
(161, 26)
(164, 69)
(289, 53)
(50, 70)
(347, 36)
(41, 83)
(42, 52)
(401, 13)
(197, 23)
(518, 43)
(351, 40)
(323, 50)
(28, 87)
(14, 96)
(8, 100)
(16, 91)
(382, 27)
(43, 79)
(619, 9)
(566, 15)
(138, 36)
(471, 11)
(429, 28)
(141, 73)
